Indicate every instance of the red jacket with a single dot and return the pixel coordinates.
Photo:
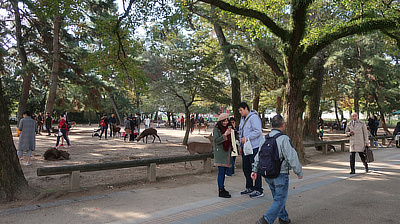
(63, 124)
(182, 120)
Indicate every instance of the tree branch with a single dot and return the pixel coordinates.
(265, 19)
(269, 59)
(347, 30)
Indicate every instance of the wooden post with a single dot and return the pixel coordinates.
(151, 172)
(207, 165)
(74, 180)
(383, 141)
(325, 148)
(342, 145)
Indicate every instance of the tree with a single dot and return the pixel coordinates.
(300, 40)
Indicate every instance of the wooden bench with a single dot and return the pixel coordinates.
(75, 170)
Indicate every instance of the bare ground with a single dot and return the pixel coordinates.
(87, 149)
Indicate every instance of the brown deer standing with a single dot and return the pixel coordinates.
(202, 127)
(116, 130)
(200, 147)
(147, 132)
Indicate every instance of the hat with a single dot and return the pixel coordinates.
(223, 116)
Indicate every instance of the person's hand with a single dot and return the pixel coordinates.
(240, 151)
(228, 131)
(367, 144)
(243, 140)
(253, 175)
(300, 177)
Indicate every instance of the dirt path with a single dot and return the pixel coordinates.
(87, 149)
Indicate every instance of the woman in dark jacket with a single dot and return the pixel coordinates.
(222, 151)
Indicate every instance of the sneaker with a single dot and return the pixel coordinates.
(227, 175)
(28, 164)
(61, 145)
(262, 221)
(256, 194)
(224, 194)
(352, 172)
(247, 191)
(54, 146)
(68, 146)
(281, 221)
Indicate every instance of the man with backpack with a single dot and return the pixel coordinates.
(250, 135)
(273, 161)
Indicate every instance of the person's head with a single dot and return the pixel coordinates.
(26, 113)
(278, 122)
(375, 118)
(192, 116)
(62, 115)
(105, 115)
(354, 116)
(146, 116)
(40, 113)
(233, 121)
(244, 109)
(134, 118)
(223, 121)
(47, 114)
(128, 118)
(112, 115)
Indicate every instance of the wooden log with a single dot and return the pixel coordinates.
(44, 171)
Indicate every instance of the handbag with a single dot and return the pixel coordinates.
(234, 146)
(247, 148)
(369, 156)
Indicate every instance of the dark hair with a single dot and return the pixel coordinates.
(27, 112)
(62, 115)
(220, 126)
(104, 114)
(277, 121)
(244, 105)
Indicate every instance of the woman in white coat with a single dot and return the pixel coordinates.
(357, 130)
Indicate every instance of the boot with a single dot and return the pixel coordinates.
(366, 167)
(223, 193)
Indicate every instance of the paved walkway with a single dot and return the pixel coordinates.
(326, 194)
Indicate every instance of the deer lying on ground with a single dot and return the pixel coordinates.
(116, 130)
(147, 132)
(200, 147)
(202, 127)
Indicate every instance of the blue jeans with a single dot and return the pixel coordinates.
(231, 170)
(182, 126)
(221, 176)
(103, 130)
(247, 169)
(279, 188)
(64, 132)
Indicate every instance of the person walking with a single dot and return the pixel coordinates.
(40, 122)
(48, 123)
(158, 122)
(128, 128)
(192, 123)
(138, 122)
(222, 151)
(113, 122)
(103, 126)
(279, 186)
(250, 130)
(182, 123)
(371, 125)
(146, 122)
(376, 121)
(357, 130)
(27, 137)
(63, 128)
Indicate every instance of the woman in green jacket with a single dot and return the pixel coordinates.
(222, 151)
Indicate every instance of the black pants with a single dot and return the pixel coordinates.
(353, 160)
(247, 169)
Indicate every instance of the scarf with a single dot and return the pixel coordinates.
(228, 143)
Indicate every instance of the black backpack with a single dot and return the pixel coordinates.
(269, 162)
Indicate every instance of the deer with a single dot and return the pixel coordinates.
(202, 127)
(200, 147)
(116, 130)
(146, 133)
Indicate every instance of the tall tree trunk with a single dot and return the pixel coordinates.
(56, 66)
(279, 105)
(336, 111)
(295, 107)
(26, 75)
(232, 68)
(121, 122)
(312, 112)
(187, 124)
(357, 84)
(13, 184)
(384, 126)
(256, 99)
